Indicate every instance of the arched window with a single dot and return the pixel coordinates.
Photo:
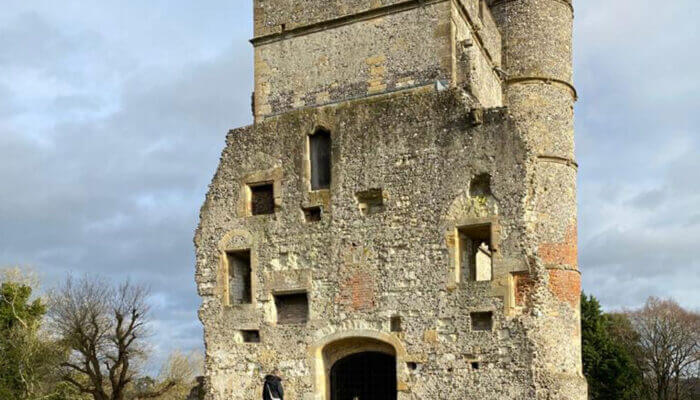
(320, 158)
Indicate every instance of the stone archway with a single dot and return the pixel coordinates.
(335, 358)
(369, 375)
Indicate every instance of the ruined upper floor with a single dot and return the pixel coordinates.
(320, 52)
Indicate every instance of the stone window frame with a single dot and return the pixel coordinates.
(456, 274)
(271, 176)
(243, 243)
(307, 158)
(240, 337)
(291, 292)
(226, 274)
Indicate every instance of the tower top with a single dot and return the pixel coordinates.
(274, 16)
(316, 52)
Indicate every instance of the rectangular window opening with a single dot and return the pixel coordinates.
(312, 214)
(482, 321)
(292, 308)
(396, 324)
(251, 336)
(262, 199)
(320, 158)
(370, 201)
(476, 252)
(239, 274)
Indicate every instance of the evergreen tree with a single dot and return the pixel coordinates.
(607, 354)
(19, 322)
(29, 360)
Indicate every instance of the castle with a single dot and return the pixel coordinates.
(400, 220)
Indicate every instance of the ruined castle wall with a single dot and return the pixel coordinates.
(420, 172)
(391, 52)
(474, 65)
(478, 14)
(271, 14)
(540, 95)
(455, 42)
(422, 148)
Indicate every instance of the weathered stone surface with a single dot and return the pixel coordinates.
(417, 166)
(393, 48)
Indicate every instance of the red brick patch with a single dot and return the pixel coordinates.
(523, 288)
(357, 291)
(566, 286)
(564, 253)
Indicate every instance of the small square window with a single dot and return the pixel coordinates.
(370, 201)
(312, 214)
(482, 321)
(250, 336)
(292, 308)
(262, 199)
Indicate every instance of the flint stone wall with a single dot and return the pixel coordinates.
(421, 148)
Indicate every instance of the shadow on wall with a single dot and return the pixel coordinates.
(197, 392)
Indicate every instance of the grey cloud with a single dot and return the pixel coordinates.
(68, 103)
(118, 194)
(693, 220)
(30, 41)
(647, 251)
(649, 199)
(637, 129)
(7, 107)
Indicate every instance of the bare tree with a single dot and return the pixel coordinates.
(105, 328)
(179, 370)
(668, 348)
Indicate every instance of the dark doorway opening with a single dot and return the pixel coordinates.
(364, 376)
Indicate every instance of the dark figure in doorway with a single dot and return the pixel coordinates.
(272, 388)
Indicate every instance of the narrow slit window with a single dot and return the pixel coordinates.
(262, 199)
(476, 252)
(320, 158)
(396, 324)
(239, 275)
(292, 308)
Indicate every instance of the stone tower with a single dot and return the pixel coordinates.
(400, 220)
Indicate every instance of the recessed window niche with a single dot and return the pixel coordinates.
(320, 159)
(292, 308)
(370, 201)
(476, 252)
(239, 277)
(262, 198)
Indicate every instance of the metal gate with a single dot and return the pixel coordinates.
(364, 376)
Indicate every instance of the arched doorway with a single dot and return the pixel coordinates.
(368, 375)
(331, 349)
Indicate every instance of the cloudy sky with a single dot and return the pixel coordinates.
(113, 115)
